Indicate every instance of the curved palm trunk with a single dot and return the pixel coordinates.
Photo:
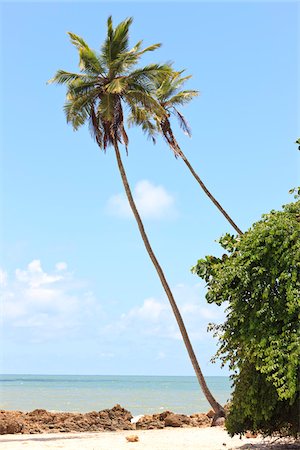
(214, 404)
(212, 198)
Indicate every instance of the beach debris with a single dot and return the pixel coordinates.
(135, 419)
(132, 438)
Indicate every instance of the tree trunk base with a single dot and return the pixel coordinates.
(219, 418)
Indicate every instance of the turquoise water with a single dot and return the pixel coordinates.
(138, 394)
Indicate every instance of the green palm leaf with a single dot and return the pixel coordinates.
(116, 86)
(63, 77)
(77, 109)
(78, 41)
(150, 72)
(89, 61)
(182, 98)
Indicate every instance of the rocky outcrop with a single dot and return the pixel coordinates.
(170, 419)
(42, 421)
(117, 418)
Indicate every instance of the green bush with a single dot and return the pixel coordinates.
(259, 277)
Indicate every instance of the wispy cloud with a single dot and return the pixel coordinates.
(154, 316)
(47, 304)
(153, 202)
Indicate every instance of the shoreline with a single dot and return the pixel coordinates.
(165, 431)
(164, 439)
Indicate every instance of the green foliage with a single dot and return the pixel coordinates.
(108, 81)
(169, 95)
(259, 277)
(295, 191)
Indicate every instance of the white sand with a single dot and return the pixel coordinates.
(166, 439)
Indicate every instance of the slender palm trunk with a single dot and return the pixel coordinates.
(214, 404)
(212, 198)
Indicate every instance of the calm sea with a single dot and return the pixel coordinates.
(138, 394)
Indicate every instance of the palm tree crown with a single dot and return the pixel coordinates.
(106, 81)
(169, 96)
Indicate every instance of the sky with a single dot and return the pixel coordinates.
(79, 293)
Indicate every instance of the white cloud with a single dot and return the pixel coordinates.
(151, 311)
(47, 303)
(153, 202)
(35, 276)
(155, 317)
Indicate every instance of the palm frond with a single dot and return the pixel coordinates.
(116, 41)
(170, 85)
(88, 61)
(151, 72)
(123, 63)
(106, 107)
(183, 123)
(150, 48)
(141, 117)
(116, 86)
(118, 119)
(95, 128)
(149, 130)
(121, 36)
(78, 41)
(106, 47)
(63, 77)
(182, 98)
(143, 99)
(76, 117)
(136, 47)
(78, 87)
(124, 137)
(138, 115)
(126, 60)
(77, 108)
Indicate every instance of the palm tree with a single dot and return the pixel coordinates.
(97, 94)
(169, 96)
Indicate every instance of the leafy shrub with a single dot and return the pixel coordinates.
(259, 277)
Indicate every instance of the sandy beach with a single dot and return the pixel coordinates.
(166, 439)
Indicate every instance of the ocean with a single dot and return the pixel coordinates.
(138, 394)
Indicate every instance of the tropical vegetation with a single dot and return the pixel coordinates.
(258, 279)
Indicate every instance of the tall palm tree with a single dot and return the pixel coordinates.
(169, 96)
(97, 94)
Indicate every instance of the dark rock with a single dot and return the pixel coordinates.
(210, 413)
(177, 420)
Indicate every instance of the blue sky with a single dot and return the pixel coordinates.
(79, 292)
